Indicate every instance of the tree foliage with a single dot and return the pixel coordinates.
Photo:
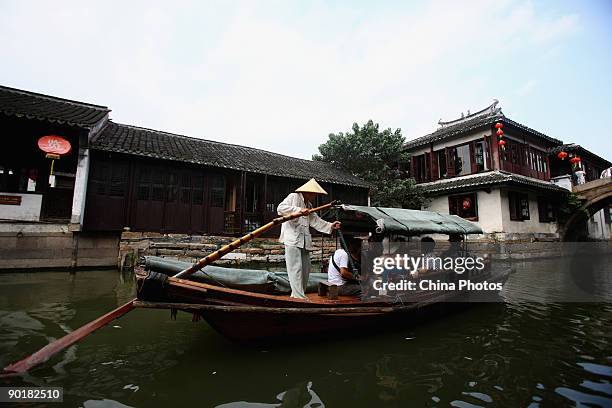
(373, 155)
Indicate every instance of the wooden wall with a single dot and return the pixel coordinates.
(174, 197)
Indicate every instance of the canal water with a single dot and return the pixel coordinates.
(520, 353)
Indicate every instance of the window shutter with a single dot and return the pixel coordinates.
(473, 167)
(435, 174)
(450, 161)
(512, 206)
(487, 152)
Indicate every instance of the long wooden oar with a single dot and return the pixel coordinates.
(235, 244)
(60, 344)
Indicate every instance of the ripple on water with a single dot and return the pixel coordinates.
(580, 398)
(598, 369)
(104, 403)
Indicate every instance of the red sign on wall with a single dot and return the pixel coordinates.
(54, 144)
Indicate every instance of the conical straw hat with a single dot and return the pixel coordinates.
(311, 187)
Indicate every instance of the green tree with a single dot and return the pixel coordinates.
(373, 155)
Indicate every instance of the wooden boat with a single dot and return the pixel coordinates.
(248, 316)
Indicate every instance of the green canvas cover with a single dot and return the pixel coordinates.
(404, 222)
(253, 280)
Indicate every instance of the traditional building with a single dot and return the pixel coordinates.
(71, 211)
(24, 169)
(148, 180)
(503, 184)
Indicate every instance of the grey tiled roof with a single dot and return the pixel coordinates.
(483, 118)
(16, 102)
(139, 141)
(486, 179)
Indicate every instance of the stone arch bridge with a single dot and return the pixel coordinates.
(595, 195)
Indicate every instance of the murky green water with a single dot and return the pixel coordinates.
(520, 354)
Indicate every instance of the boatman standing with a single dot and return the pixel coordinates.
(295, 234)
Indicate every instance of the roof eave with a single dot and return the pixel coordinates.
(80, 125)
(235, 168)
(479, 186)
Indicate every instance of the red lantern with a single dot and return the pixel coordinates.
(498, 125)
(467, 203)
(575, 160)
(500, 132)
(562, 155)
(502, 143)
(54, 144)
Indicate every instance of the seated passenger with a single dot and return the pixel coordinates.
(339, 273)
(428, 245)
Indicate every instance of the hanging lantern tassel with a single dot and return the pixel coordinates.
(502, 144)
(53, 158)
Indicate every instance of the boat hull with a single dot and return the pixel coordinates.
(265, 327)
(254, 317)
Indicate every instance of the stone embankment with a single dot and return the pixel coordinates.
(190, 248)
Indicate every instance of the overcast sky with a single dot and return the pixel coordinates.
(282, 75)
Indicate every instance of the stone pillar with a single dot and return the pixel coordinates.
(82, 174)
(80, 190)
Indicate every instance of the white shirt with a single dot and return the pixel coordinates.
(297, 232)
(334, 276)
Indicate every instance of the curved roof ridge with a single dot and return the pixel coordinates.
(489, 110)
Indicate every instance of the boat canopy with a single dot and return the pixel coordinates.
(382, 220)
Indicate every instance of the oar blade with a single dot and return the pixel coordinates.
(60, 344)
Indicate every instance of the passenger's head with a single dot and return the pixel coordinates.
(455, 240)
(427, 245)
(353, 244)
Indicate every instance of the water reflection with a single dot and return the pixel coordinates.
(300, 396)
(514, 354)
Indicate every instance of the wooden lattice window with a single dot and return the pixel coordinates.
(158, 186)
(217, 192)
(464, 205)
(118, 180)
(144, 184)
(519, 206)
(546, 210)
(197, 196)
(109, 179)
